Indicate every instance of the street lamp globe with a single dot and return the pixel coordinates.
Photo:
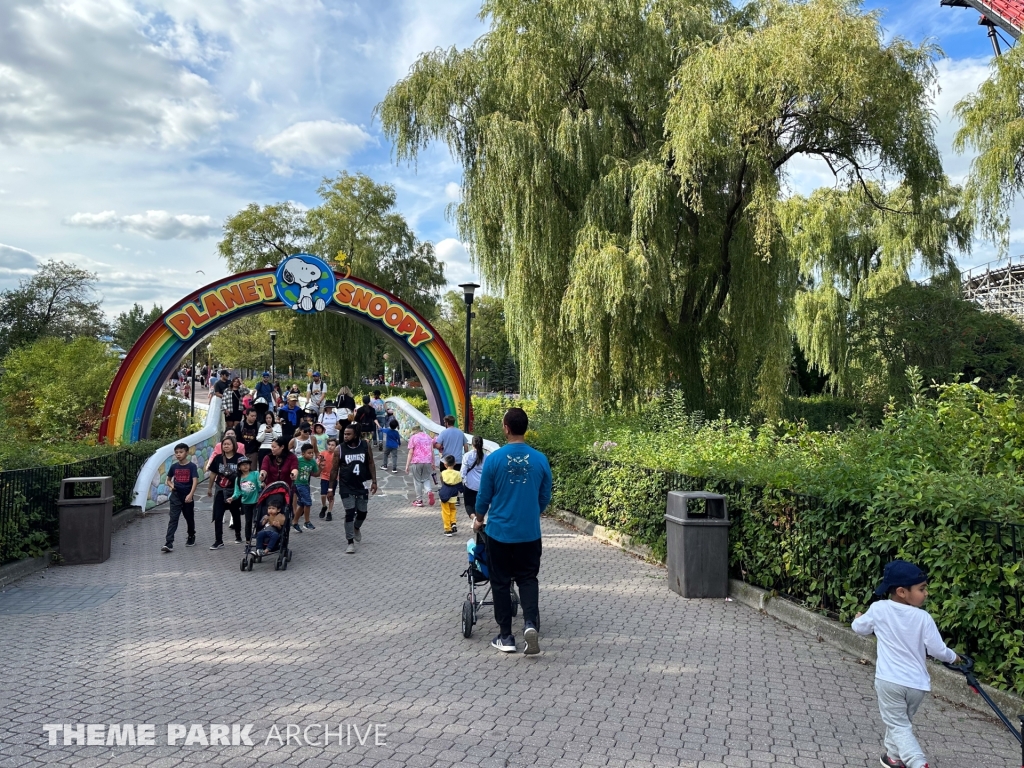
(468, 289)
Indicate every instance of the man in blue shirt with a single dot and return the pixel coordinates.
(515, 487)
(265, 390)
(451, 441)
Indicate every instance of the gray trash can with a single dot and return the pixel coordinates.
(86, 506)
(698, 544)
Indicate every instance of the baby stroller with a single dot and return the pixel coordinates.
(478, 575)
(282, 550)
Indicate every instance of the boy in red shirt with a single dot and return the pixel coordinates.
(326, 461)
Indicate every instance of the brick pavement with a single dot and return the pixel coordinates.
(630, 674)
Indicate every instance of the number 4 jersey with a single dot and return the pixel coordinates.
(352, 466)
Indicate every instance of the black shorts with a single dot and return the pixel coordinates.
(233, 416)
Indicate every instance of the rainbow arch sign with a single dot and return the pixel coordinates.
(309, 286)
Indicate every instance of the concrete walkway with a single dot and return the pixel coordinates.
(630, 674)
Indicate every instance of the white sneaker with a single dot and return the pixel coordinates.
(532, 646)
(350, 549)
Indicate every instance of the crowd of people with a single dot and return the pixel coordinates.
(504, 494)
(324, 451)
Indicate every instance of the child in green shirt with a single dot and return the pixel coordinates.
(247, 488)
(308, 467)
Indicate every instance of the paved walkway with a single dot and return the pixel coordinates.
(630, 674)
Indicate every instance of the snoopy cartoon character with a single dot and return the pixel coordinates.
(307, 277)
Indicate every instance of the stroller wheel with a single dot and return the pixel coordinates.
(289, 555)
(467, 619)
(277, 565)
(251, 561)
(244, 559)
(284, 564)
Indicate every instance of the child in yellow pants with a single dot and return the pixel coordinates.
(451, 484)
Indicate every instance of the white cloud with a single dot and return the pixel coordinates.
(16, 264)
(17, 259)
(312, 143)
(98, 71)
(958, 79)
(452, 191)
(159, 225)
(457, 264)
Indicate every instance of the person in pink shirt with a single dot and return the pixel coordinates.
(421, 460)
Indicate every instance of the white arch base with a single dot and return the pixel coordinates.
(151, 486)
(407, 415)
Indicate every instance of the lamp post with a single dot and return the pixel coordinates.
(467, 290)
(192, 375)
(209, 362)
(273, 353)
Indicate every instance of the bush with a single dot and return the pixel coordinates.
(171, 420)
(822, 412)
(818, 514)
(55, 389)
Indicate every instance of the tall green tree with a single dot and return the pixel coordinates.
(933, 329)
(58, 301)
(129, 326)
(858, 243)
(54, 389)
(490, 353)
(245, 343)
(622, 164)
(992, 124)
(356, 224)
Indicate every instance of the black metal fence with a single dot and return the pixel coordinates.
(28, 498)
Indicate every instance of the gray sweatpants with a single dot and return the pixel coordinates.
(421, 480)
(392, 455)
(897, 704)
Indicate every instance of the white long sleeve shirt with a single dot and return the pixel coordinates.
(905, 635)
(471, 478)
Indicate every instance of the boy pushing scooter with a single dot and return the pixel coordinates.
(905, 634)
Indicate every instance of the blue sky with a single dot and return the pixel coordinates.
(130, 129)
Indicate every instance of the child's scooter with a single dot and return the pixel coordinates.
(972, 681)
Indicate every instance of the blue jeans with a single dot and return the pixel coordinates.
(303, 498)
(267, 539)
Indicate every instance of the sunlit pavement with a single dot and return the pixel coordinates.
(629, 675)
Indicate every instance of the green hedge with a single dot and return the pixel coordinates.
(819, 513)
(829, 557)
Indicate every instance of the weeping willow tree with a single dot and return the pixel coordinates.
(992, 123)
(623, 161)
(855, 244)
(356, 224)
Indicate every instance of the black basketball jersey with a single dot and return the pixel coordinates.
(354, 466)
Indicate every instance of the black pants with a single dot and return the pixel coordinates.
(470, 497)
(180, 508)
(519, 562)
(221, 503)
(248, 510)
